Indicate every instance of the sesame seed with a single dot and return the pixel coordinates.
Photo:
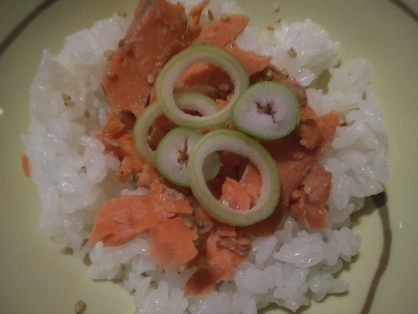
(292, 53)
(269, 74)
(276, 7)
(224, 87)
(298, 156)
(182, 268)
(122, 14)
(285, 72)
(225, 17)
(206, 226)
(123, 43)
(307, 189)
(188, 223)
(348, 123)
(183, 17)
(150, 78)
(130, 178)
(65, 97)
(79, 307)
(270, 28)
(69, 103)
(87, 114)
(210, 15)
(198, 222)
(108, 53)
(110, 74)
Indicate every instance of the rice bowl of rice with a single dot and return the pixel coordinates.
(296, 267)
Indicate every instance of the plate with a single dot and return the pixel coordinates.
(40, 276)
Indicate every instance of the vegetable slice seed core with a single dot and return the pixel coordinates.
(173, 152)
(266, 110)
(241, 144)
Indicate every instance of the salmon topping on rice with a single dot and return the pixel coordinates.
(201, 242)
(253, 205)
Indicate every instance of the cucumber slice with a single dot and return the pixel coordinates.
(172, 155)
(185, 101)
(266, 110)
(179, 63)
(239, 143)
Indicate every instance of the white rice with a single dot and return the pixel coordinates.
(290, 268)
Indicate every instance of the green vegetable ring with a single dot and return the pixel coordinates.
(183, 60)
(266, 110)
(243, 145)
(172, 156)
(185, 101)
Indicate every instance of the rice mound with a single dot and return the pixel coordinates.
(73, 174)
